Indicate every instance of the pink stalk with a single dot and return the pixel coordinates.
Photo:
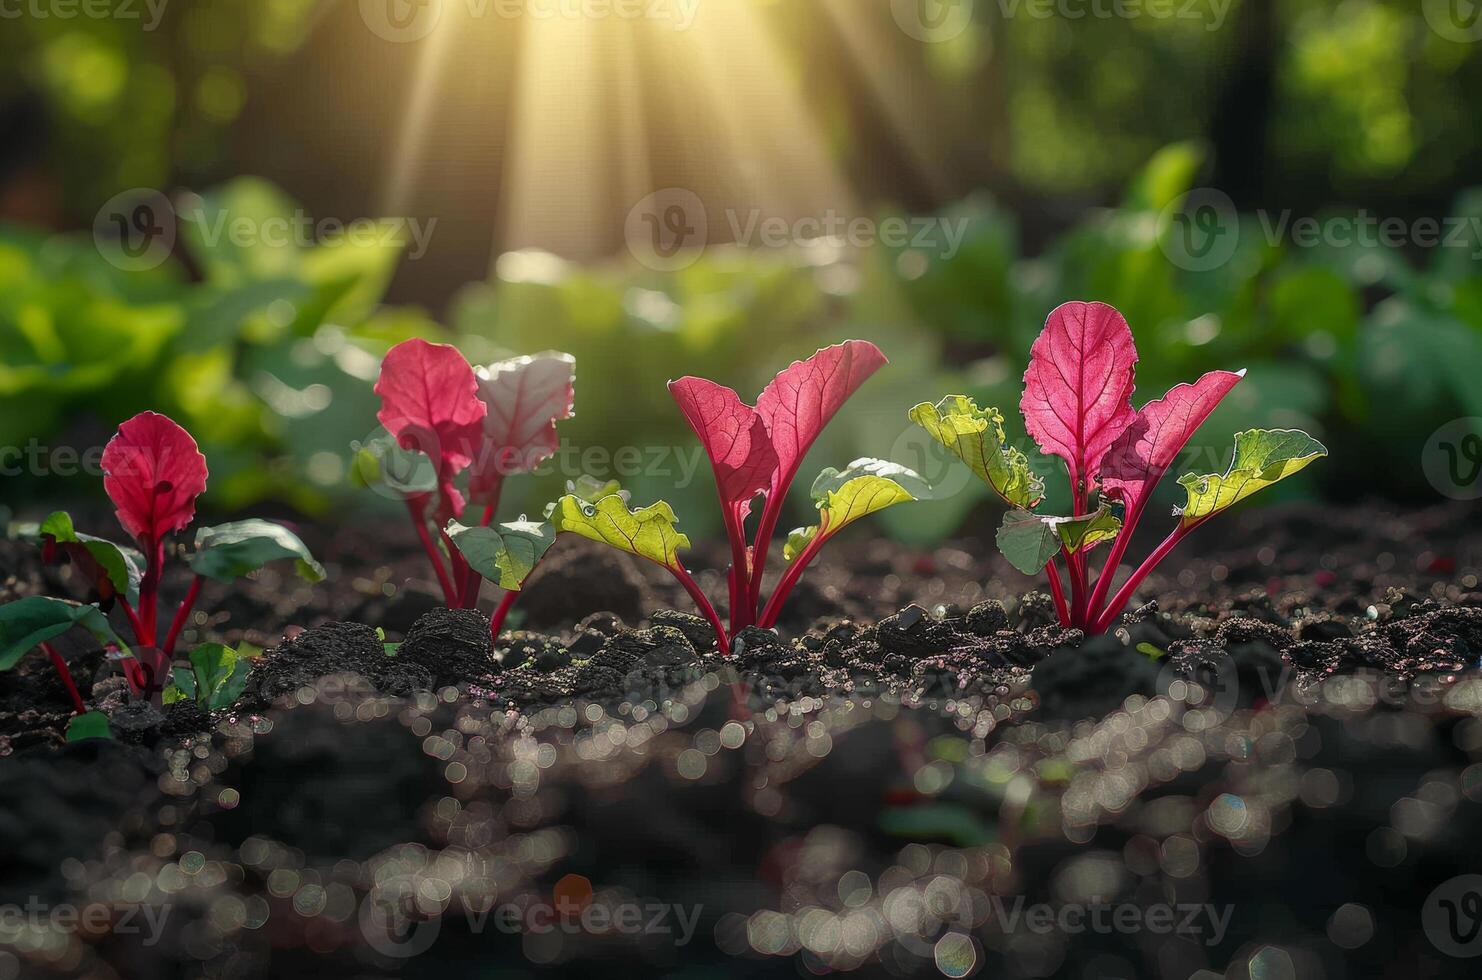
(496, 621)
(181, 615)
(419, 521)
(1124, 594)
(1057, 591)
(133, 617)
(1114, 559)
(764, 531)
(149, 587)
(723, 642)
(790, 579)
(66, 675)
(743, 606)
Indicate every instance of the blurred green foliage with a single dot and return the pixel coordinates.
(269, 350)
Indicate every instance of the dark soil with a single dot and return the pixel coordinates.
(922, 726)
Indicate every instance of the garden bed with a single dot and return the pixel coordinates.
(920, 742)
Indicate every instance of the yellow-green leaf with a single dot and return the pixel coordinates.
(1262, 457)
(506, 553)
(1029, 541)
(798, 539)
(648, 532)
(976, 436)
(864, 487)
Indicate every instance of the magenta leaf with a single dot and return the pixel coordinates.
(525, 397)
(734, 436)
(430, 402)
(153, 471)
(1144, 452)
(802, 399)
(1078, 388)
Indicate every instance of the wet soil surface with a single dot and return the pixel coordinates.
(1285, 737)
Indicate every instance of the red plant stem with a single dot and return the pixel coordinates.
(496, 621)
(723, 642)
(461, 573)
(149, 588)
(1076, 567)
(66, 675)
(492, 507)
(766, 527)
(790, 578)
(420, 523)
(1057, 591)
(133, 617)
(743, 605)
(181, 615)
(1124, 594)
(1114, 558)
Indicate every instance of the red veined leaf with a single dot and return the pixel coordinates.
(1078, 388)
(802, 399)
(153, 471)
(525, 398)
(430, 402)
(1144, 452)
(734, 437)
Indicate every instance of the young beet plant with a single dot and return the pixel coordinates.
(443, 419)
(1077, 405)
(754, 451)
(153, 473)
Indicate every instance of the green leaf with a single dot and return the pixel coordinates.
(29, 622)
(648, 532)
(1029, 541)
(121, 565)
(1166, 177)
(382, 463)
(505, 554)
(798, 539)
(216, 677)
(976, 436)
(92, 724)
(1262, 457)
(229, 551)
(864, 487)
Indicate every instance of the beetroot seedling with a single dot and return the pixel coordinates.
(1077, 405)
(153, 473)
(756, 452)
